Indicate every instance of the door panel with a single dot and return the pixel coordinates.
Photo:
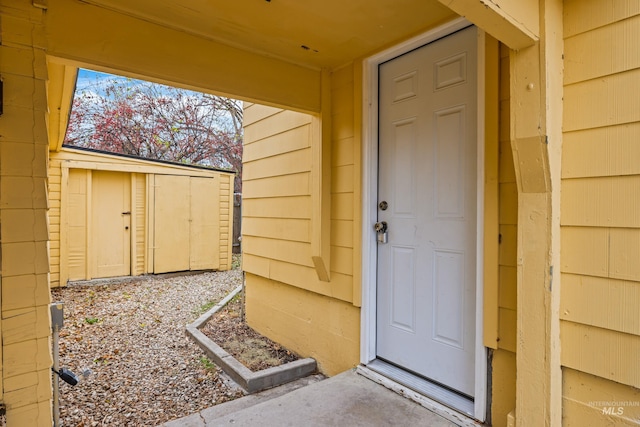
(171, 230)
(111, 222)
(427, 174)
(403, 289)
(204, 253)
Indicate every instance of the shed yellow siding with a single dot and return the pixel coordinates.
(71, 186)
(75, 241)
(25, 356)
(139, 215)
(225, 221)
(600, 296)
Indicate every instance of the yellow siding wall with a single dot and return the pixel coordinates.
(600, 326)
(306, 322)
(277, 229)
(25, 376)
(73, 245)
(504, 358)
(55, 184)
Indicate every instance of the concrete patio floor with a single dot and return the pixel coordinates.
(347, 399)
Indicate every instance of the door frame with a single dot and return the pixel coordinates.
(370, 195)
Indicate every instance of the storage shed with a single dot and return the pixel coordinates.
(114, 215)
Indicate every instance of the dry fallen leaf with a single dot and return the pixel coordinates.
(153, 373)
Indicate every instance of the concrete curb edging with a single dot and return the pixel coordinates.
(252, 382)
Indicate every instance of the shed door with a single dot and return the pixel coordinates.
(111, 223)
(204, 233)
(427, 176)
(186, 231)
(171, 231)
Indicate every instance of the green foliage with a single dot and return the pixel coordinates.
(207, 364)
(91, 320)
(205, 307)
(236, 261)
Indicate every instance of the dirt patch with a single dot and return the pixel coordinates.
(257, 352)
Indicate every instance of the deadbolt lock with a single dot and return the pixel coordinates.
(383, 205)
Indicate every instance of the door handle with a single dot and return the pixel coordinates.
(381, 231)
(126, 213)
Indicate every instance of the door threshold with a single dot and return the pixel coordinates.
(442, 401)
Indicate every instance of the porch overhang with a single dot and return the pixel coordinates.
(270, 52)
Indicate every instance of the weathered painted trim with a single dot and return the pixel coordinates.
(488, 15)
(491, 248)
(75, 158)
(321, 184)
(151, 222)
(133, 231)
(91, 257)
(64, 226)
(60, 88)
(480, 402)
(536, 109)
(358, 159)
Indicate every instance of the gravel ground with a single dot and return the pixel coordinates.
(145, 370)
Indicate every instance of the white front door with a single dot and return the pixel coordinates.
(427, 159)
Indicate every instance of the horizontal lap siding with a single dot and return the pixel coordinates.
(600, 234)
(226, 220)
(305, 321)
(55, 177)
(285, 298)
(276, 191)
(29, 219)
(277, 201)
